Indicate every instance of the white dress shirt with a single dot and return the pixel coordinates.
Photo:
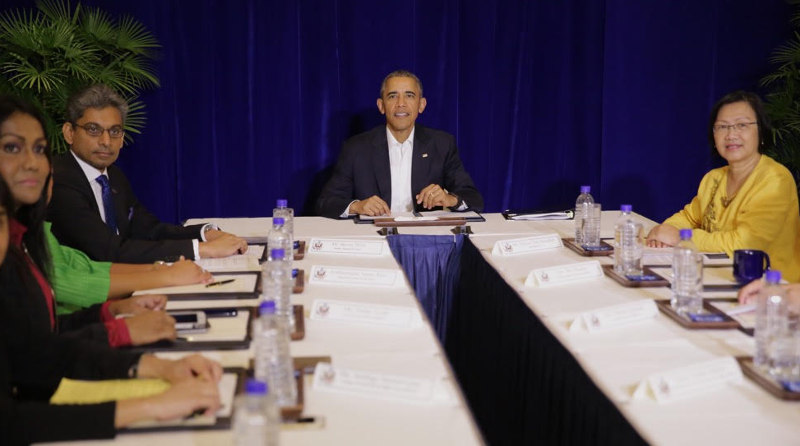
(92, 173)
(400, 156)
(400, 161)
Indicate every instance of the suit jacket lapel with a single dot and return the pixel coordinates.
(86, 188)
(380, 165)
(421, 162)
(123, 219)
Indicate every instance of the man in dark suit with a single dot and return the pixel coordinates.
(399, 167)
(94, 209)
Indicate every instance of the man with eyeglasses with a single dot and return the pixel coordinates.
(94, 208)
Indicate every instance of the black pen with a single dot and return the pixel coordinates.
(221, 282)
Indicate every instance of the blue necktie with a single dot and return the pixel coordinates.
(108, 203)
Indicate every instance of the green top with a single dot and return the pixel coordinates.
(78, 281)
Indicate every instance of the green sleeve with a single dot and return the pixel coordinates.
(78, 281)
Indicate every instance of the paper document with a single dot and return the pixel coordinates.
(393, 215)
(711, 276)
(663, 256)
(256, 251)
(451, 214)
(223, 329)
(745, 315)
(242, 283)
(534, 216)
(237, 263)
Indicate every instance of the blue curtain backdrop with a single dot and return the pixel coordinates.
(542, 96)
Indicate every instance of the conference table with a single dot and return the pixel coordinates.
(510, 369)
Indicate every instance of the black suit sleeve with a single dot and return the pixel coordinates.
(84, 324)
(32, 362)
(338, 192)
(457, 180)
(77, 223)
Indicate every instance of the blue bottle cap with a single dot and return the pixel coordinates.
(773, 276)
(255, 387)
(277, 253)
(686, 234)
(267, 307)
(626, 208)
(586, 189)
(282, 202)
(278, 221)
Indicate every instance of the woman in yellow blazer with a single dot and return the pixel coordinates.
(749, 204)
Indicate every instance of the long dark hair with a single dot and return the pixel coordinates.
(32, 216)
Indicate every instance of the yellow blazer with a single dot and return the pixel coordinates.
(762, 215)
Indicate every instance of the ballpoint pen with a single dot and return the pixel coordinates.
(221, 282)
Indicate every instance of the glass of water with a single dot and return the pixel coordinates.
(591, 229)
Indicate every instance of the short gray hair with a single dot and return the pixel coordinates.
(96, 96)
(401, 73)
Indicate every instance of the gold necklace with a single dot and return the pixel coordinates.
(726, 201)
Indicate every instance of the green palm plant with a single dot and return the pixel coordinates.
(48, 53)
(782, 102)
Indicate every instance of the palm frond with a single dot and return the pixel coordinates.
(27, 76)
(134, 37)
(139, 72)
(55, 10)
(97, 25)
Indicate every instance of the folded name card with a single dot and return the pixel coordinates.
(347, 246)
(615, 316)
(560, 275)
(526, 245)
(340, 275)
(689, 381)
(368, 314)
(376, 385)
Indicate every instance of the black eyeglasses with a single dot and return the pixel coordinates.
(738, 127)
(95, 130)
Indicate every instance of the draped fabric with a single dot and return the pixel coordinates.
(431, 264)
(542, 95)
(521, 384)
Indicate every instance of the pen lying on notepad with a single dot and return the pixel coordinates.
(740, 309)
(221, 282)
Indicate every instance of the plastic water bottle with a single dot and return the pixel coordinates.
(278, 238)
(286, 213)
(583, 205)
(256, 418)
(771, 323)
(687, 275)
(283, 211)
(277, 284)
(628, 244)
(273, 362)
